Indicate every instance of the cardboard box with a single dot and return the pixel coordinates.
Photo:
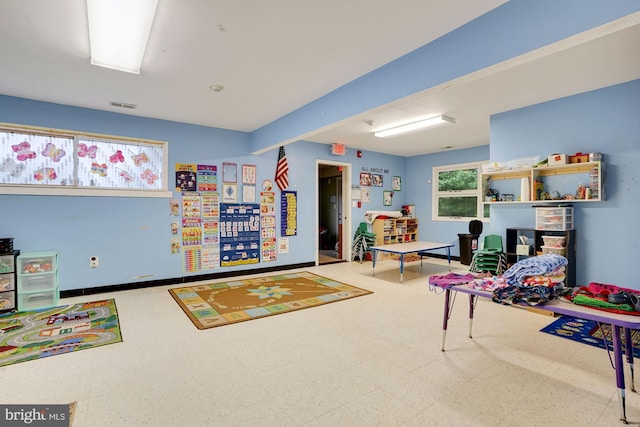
(579, 158)
(557, 159)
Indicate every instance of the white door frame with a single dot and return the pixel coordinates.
(346, 207)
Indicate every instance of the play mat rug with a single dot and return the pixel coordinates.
(588, 332)
(223, 303)
(30, 335)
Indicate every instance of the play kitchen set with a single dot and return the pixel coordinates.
(28, 281)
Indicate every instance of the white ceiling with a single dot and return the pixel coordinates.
(275, 56)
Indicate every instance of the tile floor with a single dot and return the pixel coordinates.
(369, 361)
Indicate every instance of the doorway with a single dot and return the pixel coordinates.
(333, 224)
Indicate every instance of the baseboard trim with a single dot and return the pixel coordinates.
(178, 280)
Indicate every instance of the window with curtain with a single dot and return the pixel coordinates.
(41, 161)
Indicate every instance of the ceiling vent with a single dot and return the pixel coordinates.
(123, 105)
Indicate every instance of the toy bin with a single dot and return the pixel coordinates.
(7, 282)
(38, 262)
(38, 282)
(7, 300)
(554, 241)
(554, 219)
(551, 250)
(6, 264)
(37, 300)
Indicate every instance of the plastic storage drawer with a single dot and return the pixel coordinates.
(40, 262)
(37, 300)
(554, 219)
(38, 282)
(7, 300)
(7, 282)
(6, 263)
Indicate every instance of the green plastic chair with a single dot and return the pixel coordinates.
(491, 257)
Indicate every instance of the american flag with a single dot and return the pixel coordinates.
(282, 170)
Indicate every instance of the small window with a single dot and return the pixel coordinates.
(44, 161)
(458, 196)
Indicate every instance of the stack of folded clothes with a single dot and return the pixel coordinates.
(532, 281)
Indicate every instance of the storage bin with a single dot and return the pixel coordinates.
(6, 245)
(7, 300)
(554, 241)
(40, 262)
(558, 251)
(557, 159)
(554, 219)
(6, 264)
(38, 282)
(37, 300)
(579, 158)
(7, 282)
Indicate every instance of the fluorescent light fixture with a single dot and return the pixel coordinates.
(119, 31)
(432, 121)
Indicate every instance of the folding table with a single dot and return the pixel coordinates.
(620, 323)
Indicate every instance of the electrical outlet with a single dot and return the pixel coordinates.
(93, 262)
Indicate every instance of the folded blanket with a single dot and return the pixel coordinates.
(535, 266)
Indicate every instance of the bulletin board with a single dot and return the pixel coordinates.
(289, 213)
(239, 234)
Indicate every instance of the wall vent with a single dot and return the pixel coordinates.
(123, 105)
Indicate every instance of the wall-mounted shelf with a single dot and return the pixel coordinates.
(562, 176)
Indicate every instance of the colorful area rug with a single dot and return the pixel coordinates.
(30, 335)
(588, 332)
(218, 304)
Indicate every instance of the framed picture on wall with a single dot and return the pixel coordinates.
(248, 174)
(377, 180)
(229, 172)
(365, 179)
(387, 198)
(396, 183)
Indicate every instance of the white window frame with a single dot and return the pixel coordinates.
(477, 193)
(74, 190)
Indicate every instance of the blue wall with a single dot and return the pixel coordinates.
(131, 235)
(605, 121)
(419, 175)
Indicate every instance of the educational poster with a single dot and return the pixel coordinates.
(248, 194)
(185, 177)
(239, 234)
(191, 231)
(229, 193)
(174, 207)
(366, 195)
(268, 235)
(207, 177)
(200, 231)
(269, 252)
(210, 203)
(267, 203)
(210, 257)
(191, 206)
(289, 213)
(283, 245)
(175, 245)
(192, 259)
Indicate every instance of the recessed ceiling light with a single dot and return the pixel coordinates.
(216, 88)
